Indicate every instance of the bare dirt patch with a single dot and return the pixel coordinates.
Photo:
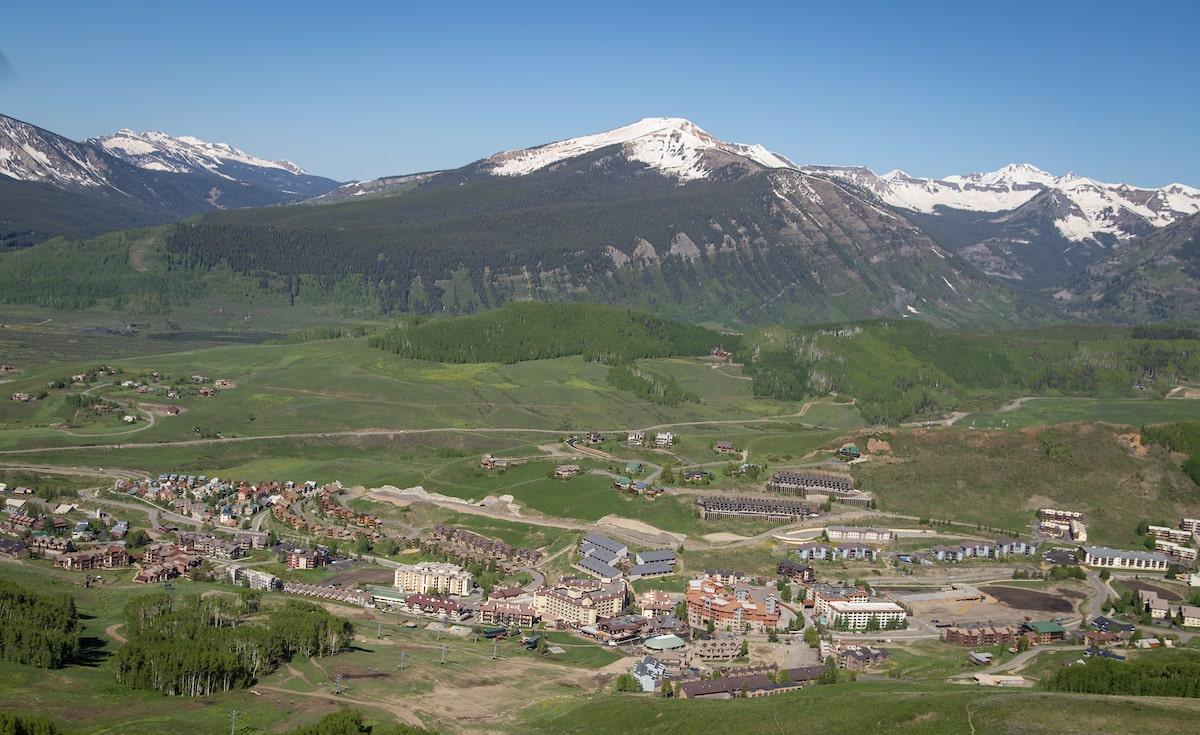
(1133, 443)
(162, 409)
(358, 577)
(1025, 599)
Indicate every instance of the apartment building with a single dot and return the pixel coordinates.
(433, 578)
(858, 615)
(579, 605)
(1103, 557)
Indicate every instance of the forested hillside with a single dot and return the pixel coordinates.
(37, 629)
(899, 370)
(532, 331)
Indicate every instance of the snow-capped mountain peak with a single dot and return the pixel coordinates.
(673, 145)
(159, 151)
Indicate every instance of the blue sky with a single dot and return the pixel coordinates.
(1108, 90)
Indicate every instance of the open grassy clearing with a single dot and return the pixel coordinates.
(344, 385)
(874, 706)
(1132, 411)
(1001, 478)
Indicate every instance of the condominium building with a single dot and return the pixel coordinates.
(434, 578)
(731, 608)
(857, 615)
(579, 605)
(1103, 557)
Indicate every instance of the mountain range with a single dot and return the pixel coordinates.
(51, 185)
(659, 214)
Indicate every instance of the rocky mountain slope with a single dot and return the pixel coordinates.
(1022, 224)
(658, 213)
(1157, 280)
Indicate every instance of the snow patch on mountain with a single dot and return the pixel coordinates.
(677, 147)
(159, 151)
(1088, 208)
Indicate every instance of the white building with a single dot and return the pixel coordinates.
(664, 439)
(1185, 554)
(434, 578)
(856, 615)
(1105, 558)
(860, 534)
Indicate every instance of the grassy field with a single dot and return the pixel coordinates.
(1131, 411)
(872, 707)
(344, 385)
(1001, 479)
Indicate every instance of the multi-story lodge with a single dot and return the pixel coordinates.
(1103, 557)
(749, 507)
(433, 577)
(708, 600)
(579, 603)
(808, 483)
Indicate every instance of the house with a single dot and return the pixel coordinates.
(664, 439)
(13, 549)
(649, 673)
(633, 468)
(1190, 615)
(1099, 639)
(434, 577)
(621, 482)
(1105, 558)
(720, 353)
(206, 392)
(565, 471)
(694, 476)
(724, 448)
(849, 451)
(595, 438)
(488, 462)
(636, 438)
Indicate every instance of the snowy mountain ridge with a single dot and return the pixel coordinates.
(677, 147)
(159, 151)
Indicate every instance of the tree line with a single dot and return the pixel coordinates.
(192, 646)
(1162, 674)
(37, 629)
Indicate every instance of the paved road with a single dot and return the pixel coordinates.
(1016, 661)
